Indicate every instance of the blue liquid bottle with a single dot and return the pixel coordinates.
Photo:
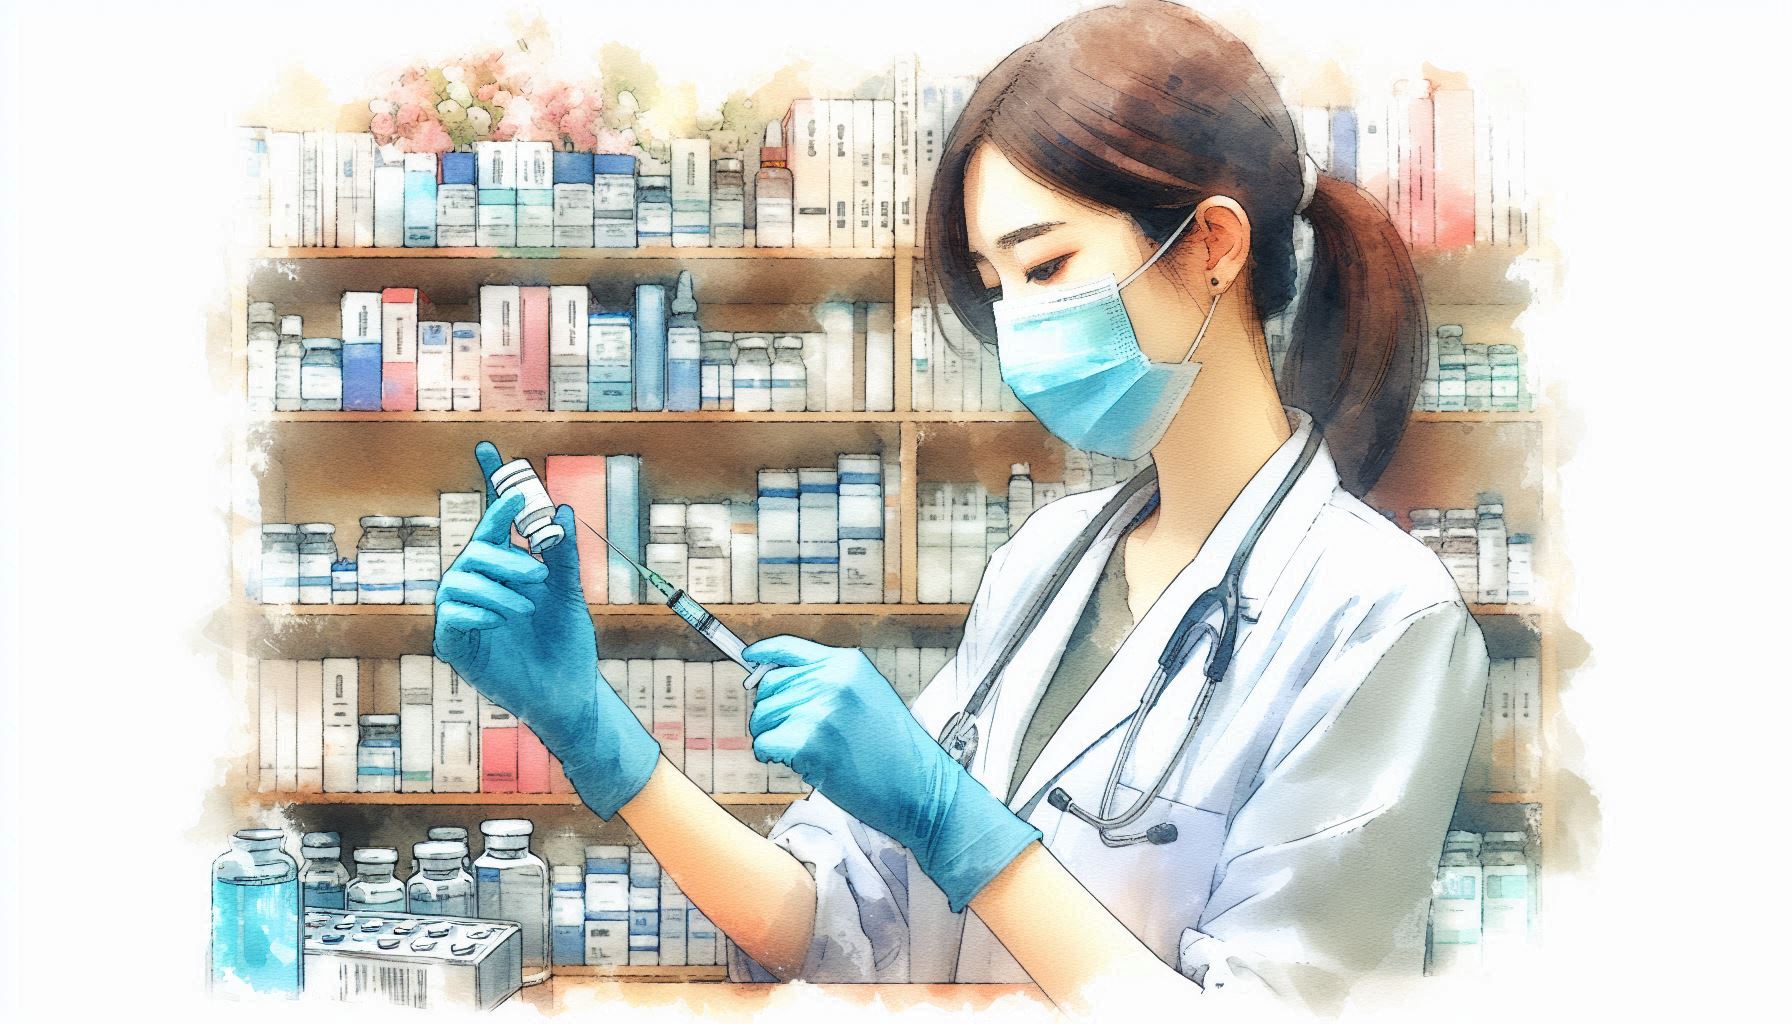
(323, 879)
(256, 922)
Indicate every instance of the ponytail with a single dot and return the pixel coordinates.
(1358, 347)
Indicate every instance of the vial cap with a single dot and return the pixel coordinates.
(381, 522)
(511, 474)
(750, 341)
(448, 832)
(1020, 469)
(441, 849)
(728, 163)
(324, 344)
(1515, 838)
(1449, 330)
(1489, 498)
(279, 529)
(545, 536)
(320, 839)
(507, 827)
(566, 874)
(424, 522)
(343, 565)
(261, 313)
(1518, 538)
(261, 838)
(789, 341)
(292, 324)
(684, 299)
(375, 721)
(317, 529)
(376, 855)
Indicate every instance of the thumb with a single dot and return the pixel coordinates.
(562, 559)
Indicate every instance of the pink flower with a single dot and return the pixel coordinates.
(383, 125)
(502, 98)
(609, 140)
(430, 137)
(410, 114)
(486, 92)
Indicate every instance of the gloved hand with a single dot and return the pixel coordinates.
(831, 717)
(519, 631)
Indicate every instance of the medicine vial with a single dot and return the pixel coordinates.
(289, 354)
(422, 558)
(342, 582)
(374, 889)
(379, 561)
(320, 375)
(774, 190)
(566, 909)
(279, 563)
(317, 553)
(511, 884)
(376, 755)
(441, 887)
(257, 924)
(1456, 905)
(1490, 533)
(1506, 900)
(323, 879)
(452, 834)
(752, 374)
(727, 208)
(264, 339)
(1020, 495)
(790, 386)
(1461, 551)
(536, 520)
(1520, 569)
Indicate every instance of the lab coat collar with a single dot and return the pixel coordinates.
(1115, 692)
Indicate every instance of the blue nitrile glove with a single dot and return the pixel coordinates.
(519, 631)
(840, 725)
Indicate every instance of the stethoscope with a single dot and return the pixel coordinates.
(959, 736)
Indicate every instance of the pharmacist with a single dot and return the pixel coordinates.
(1205, 729)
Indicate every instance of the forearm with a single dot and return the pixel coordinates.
(751, 888)
(1066, 941)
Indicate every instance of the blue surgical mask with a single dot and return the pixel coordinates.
(1071, 357)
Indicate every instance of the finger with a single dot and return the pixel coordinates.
(481, 592)
(504, 564)
(486, 454)
(450, 643)
(494, 526)
(772, 708)
(769, 747)
(787, 650)
(465, 617)
(563, 558)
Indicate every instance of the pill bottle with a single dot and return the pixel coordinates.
(317, 553)
(379, 561)
(441, 887)
(323, 878)
(789, 379)
(257, 926)
(279, 563)
(374, 890)
(511, 884)
(752, 374)
(422, 538)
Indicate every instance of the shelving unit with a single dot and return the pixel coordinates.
(295, 467)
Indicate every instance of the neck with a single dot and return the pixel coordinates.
(1229, 425)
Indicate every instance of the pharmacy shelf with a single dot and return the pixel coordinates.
(1508, 798)
(662, 974)
(499, 799)
(1428, 416)
(744, 611)
(656, 252)
(560, 418)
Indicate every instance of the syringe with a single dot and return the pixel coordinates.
(695, 614)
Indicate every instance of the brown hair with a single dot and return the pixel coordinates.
(1148, 108)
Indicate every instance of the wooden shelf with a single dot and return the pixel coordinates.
(561, 418)
(724, 611)
(661, 974)
(1508, 798)
(1517, 610)
(499, 799)
(657, 252)
(1479, 416)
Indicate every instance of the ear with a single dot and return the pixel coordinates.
(1225, 232)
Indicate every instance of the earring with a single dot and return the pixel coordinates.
(1214, 281)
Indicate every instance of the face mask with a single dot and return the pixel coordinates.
(1071, 357)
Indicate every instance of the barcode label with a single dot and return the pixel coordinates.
(394, 984)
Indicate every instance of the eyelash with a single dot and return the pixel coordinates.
(1055, 265)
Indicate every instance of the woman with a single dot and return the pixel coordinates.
(1287, 839)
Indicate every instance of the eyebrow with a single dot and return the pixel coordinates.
(1019, 235)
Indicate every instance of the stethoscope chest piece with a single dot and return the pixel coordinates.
(959, 737)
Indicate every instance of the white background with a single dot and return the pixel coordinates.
(1658, 133)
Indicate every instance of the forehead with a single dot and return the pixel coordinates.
(999, 197)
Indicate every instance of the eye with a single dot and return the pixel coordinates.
(1047, 270)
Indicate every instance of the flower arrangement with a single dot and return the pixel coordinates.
(436, 109)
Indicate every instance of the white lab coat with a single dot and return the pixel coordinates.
(1311, 809)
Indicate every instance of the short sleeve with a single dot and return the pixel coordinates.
(1325, 875)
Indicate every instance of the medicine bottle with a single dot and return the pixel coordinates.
(289, 355)
(511, 884)
(279, 563)
(773, 192)
(376, 755)
(535, 521)
(1461, 551)
(441, 887)
(1020, 495)
(323, 879)
(1506, 901)
(452, 834)
(1456, 905)
(379, 561)
(567, 913)
(317, 553)
(263, 341)
(790, 386)
(1491, 554)
(1520, 569)
(343, 582)
(728, 204)
(422, 558)
(257, 925)
(752, 374)
(374, 889)
(320, 375)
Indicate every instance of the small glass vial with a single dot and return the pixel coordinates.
(320, 375)
(727, 206)
(317, 553)
(422, 558)
(376, 755)
(1506, 897)
(1490, 543)
(257, 923)
(1456, 905)
(323, 878)
(452, 834)
(264, 340)
(717, 367)
(279, 563)
(1428, 529)
(511, 884)
(790, 384)
(536, 520)
(289, 354)
(379, 561)
(342, 582)
(752, 374)
(1462, 551)
(1020, 495)
(374, 890)
(567, 913)
(441, 887)
(774, 191)
(1521, 586)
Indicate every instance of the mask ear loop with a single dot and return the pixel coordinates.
(1202, 333)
